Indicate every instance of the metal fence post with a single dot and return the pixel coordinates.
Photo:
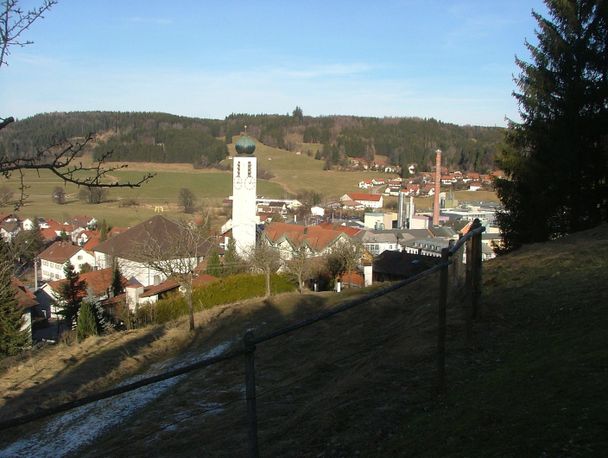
(476, 271)
(441, 320)
(252, 416)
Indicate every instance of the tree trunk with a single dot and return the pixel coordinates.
(189, 301)
(267, 283)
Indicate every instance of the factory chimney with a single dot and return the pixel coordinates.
(437, 187)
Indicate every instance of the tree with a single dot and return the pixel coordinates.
(93, 195)
(298, 114)
(265, 259)
(86, 325)
(58, 157)
(71, 292)
(214, 266)
(58, 195)
(187, 200)
(12, 337)
(103, 230)
(301, 266)
(232, 261)
(176, 252)
(557, 157)
(27, 244)
(343, 257)
(117, 286)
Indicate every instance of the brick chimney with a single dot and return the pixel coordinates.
(437, 187)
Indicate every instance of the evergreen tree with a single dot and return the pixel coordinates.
(117, 287)
(71, 293)
(214, 267)
(12, 338)
(103, 230)
(556, 159)
(86, 324)
(232, 261)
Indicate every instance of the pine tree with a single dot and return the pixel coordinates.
(232, 260)
(12, 337)
(117, 287)
(87, 324)
(71, 293)
(556, 158)
(214, 267)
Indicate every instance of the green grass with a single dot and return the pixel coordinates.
(209, 187)
(300, 172)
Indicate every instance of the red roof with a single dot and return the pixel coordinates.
(59, 252)
(350, 231)
(361, 196)
(317, 237)
(353, 278)
(99, 281)
(25, 298)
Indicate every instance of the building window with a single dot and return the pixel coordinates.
(248, 169)
(238, 169)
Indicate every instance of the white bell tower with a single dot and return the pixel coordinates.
(244, 184)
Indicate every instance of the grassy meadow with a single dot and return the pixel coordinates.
(292, 173)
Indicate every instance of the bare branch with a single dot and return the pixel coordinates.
(14, 21)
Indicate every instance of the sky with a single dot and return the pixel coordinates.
(452, 60)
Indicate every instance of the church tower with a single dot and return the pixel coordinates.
(244, 175)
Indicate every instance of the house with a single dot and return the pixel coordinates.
(26, 301)
(83, 221)
(157, 233)
(366, 200)
(55, 257)
(98, 287)
(9, 228)
(379, 241)
(317, 240)
(28, 223)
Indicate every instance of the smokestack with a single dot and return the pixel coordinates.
(437, 187)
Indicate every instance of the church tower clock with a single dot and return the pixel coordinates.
(244, 176)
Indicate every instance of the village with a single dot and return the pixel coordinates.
(375, 244)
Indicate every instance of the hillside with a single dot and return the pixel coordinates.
(166, 138)
(360, 383)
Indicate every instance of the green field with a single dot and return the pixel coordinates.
(301, 172)
(161, 191)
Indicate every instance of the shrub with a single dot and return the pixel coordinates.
(224, 291)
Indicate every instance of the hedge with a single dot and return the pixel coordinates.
(224, 291)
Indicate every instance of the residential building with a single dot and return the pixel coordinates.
(56, 256)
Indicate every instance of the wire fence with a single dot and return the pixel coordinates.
(459, 278)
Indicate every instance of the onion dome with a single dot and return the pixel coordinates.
(245, 145)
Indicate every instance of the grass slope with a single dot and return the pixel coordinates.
(362, 382)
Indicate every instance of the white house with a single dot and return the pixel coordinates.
(366, 200)
(126, 249)
(55, 257)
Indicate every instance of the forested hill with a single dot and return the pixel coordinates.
(161, 137)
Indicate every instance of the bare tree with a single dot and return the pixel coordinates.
(344, 257)
(175, 249)
(265, 259)
(60, 157)
(302, 266)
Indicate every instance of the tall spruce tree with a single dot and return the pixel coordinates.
(71, 294)
(557, 157)
(12, 337)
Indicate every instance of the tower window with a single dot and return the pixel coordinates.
(238, 169)
(248, 169)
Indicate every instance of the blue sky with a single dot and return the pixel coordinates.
(451, 60)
